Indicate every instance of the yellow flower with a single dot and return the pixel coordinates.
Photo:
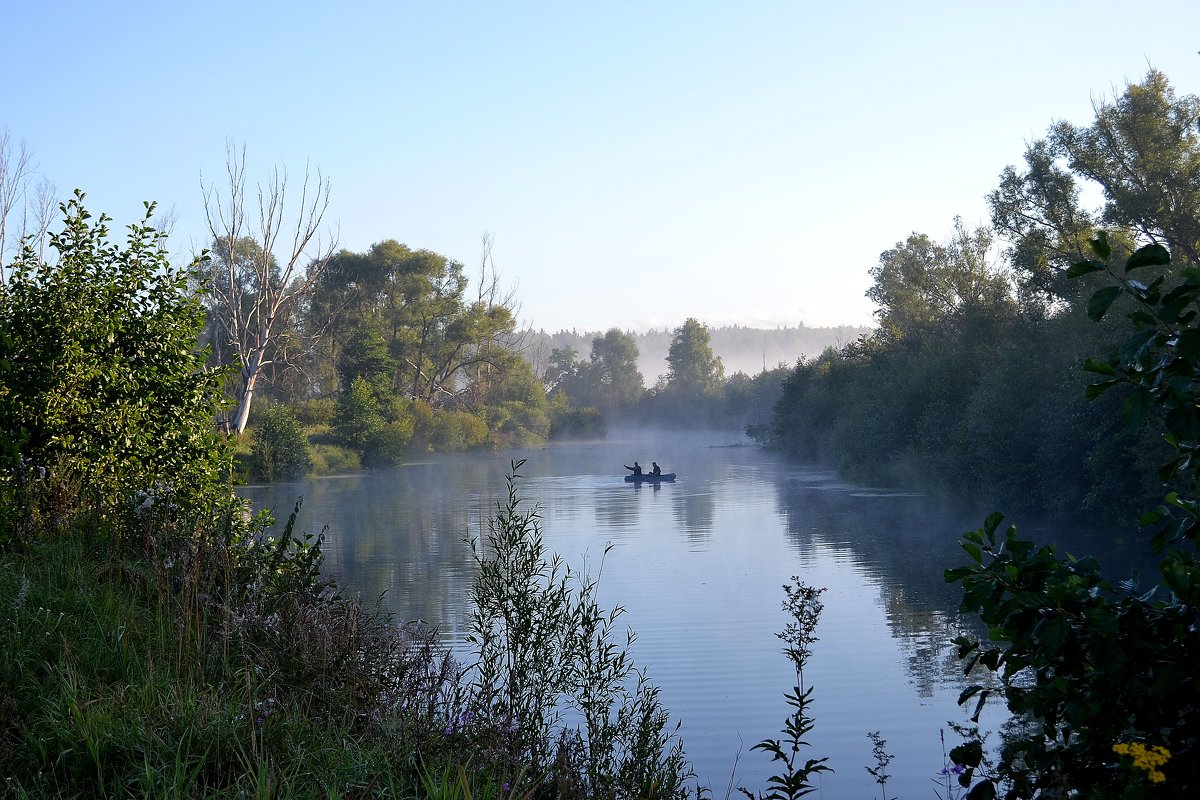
(1147, 759)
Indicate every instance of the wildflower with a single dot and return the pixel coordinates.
(1147, 759)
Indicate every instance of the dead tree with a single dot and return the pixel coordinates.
(254, 290)
(15, 166)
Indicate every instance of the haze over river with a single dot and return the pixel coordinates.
(699, 565)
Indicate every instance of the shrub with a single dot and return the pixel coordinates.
(387, 446)
(1093, 671)
(280, 450)
(314, 411)
(99, 366)
(330, 459)
(454, 431)
(542, 644)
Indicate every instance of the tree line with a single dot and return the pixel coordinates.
(971, 385)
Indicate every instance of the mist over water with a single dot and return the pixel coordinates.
(698, 565)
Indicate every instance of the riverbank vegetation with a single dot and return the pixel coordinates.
(971, 387)
(157, 641)
(1056, 376)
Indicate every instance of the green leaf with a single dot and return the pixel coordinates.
(1084, 268)
(1100, 245)
(1094, 390)
(1099, 367)
(1101, 301)
(967, 754)
(1152, 255)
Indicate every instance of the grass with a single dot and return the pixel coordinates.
(179, 652)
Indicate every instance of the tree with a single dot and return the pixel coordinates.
(1038, 212)
(100, 366)
(446, 346)
(1102, 674)
(694, 370)
(919, 283)
(15, 167)
(613, 376)
(1143, 149)
(253, 290)
(366, 356)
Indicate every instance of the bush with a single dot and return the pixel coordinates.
(99, 366)
(1094, 672)
(330, 459)
(387, 446)
(280, 451)
(452, 431)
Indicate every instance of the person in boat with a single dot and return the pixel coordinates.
(636, 469)
(655, 468)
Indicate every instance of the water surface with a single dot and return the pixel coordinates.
(698, 565)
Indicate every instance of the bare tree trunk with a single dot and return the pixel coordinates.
(45, 201)
(255, 292)
(14, 173)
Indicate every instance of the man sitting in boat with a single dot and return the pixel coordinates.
(636, 468)
(656, 470)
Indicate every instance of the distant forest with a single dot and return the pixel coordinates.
(741, 349)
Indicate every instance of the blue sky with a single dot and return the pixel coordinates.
(636, 163)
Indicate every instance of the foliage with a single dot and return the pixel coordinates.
(612, 375)
(970, 386)
(1087, 664)
(543, 644)
(99, 362)
(358, 416)
(388, 445)
(794, 780)
(693, 369)
(577, 423)
(280, 451)
(366, 357)
(919, 283)
(438, 342)
(882, 759)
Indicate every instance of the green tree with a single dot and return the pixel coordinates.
(694, 370)
(358, 417)
(614, 380)
(1143, 150)
(919, 284)
(1095, 671)
(366, 356)
(446, 347)
(100, 366)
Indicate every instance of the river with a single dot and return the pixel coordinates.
(698, 564)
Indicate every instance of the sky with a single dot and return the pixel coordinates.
(634, 164)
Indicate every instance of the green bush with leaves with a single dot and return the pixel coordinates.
(280, 451)
(1097, 675)
(99, 365)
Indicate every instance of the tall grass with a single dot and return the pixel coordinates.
(175, 649)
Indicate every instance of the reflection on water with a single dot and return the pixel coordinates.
(699, 565)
